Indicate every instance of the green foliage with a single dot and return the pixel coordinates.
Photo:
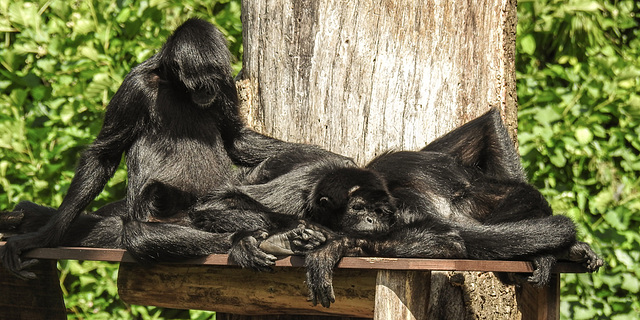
(578, 67)
(578, 77)
(61, 63)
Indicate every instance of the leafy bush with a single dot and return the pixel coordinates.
(61, 62)
(578, 73)
(579, 121)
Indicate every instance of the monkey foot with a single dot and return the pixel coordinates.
(295, 241)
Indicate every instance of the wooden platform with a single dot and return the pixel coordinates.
(121, 255)
(382, 288)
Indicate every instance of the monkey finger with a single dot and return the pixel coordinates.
(264, 269)
(312, 297)
(325, 301)
(315, 235)
(305, 246)
(29, 263)
(262, 259)
(261, 265)
(24, 274)
(268, 260)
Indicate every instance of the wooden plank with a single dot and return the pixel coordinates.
(40, 298)
(195, 284)
(540, 303)
(80, 253)
(244, 292)
(402, 295)
(120, 255)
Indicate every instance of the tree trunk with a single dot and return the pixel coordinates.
(359, 78)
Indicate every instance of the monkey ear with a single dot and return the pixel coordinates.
(324, 202)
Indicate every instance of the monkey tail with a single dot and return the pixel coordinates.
(511, 240)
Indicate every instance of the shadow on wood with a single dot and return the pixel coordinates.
(382, 288)
(244, 292)
(40, 298)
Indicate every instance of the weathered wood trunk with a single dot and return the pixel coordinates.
(358, 78)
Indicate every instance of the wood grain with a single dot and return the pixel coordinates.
(361, 77)
(244, 292)
(377, 263)
(410, 288)
(40, 298)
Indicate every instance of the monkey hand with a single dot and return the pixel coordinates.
(320, 264)
(582, 253)
(320, 278)
(246, 253)
(295, 241)
(320, 289)
(11, 251)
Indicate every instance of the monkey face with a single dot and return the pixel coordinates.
(368, 214)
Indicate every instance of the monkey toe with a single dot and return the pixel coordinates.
(327, 296)
(25, 274)
(12, 262)
(314, 236)
(247, 254)
(594, 263)
(539, 278)
(323, 295)
(295, 241)
(582, 253)
(278, 244)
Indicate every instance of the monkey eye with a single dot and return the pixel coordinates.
(357, 207)
(386, 209)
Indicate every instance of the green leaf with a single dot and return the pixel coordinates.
(24, 14)
(66, 113)
(547, 116)
(584, 136)
(630, 283)
(558, 159)
(528, 44)
(624, 258)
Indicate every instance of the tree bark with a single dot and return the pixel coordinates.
(360, 78)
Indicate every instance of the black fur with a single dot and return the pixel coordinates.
(175, 118)
(268, 208)
(462, 196)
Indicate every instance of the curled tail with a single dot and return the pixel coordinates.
(522, 238)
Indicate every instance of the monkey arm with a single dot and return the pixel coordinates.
(96, 166)
(320, 264)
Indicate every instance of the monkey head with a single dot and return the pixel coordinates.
(353, 201)
(193, 59)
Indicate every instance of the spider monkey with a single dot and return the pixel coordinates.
(466, 189)
(176, 119)
(463, 196)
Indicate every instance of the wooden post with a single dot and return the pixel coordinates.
(540, 303)
(361, 77)
(40, 298)
(402, 295)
